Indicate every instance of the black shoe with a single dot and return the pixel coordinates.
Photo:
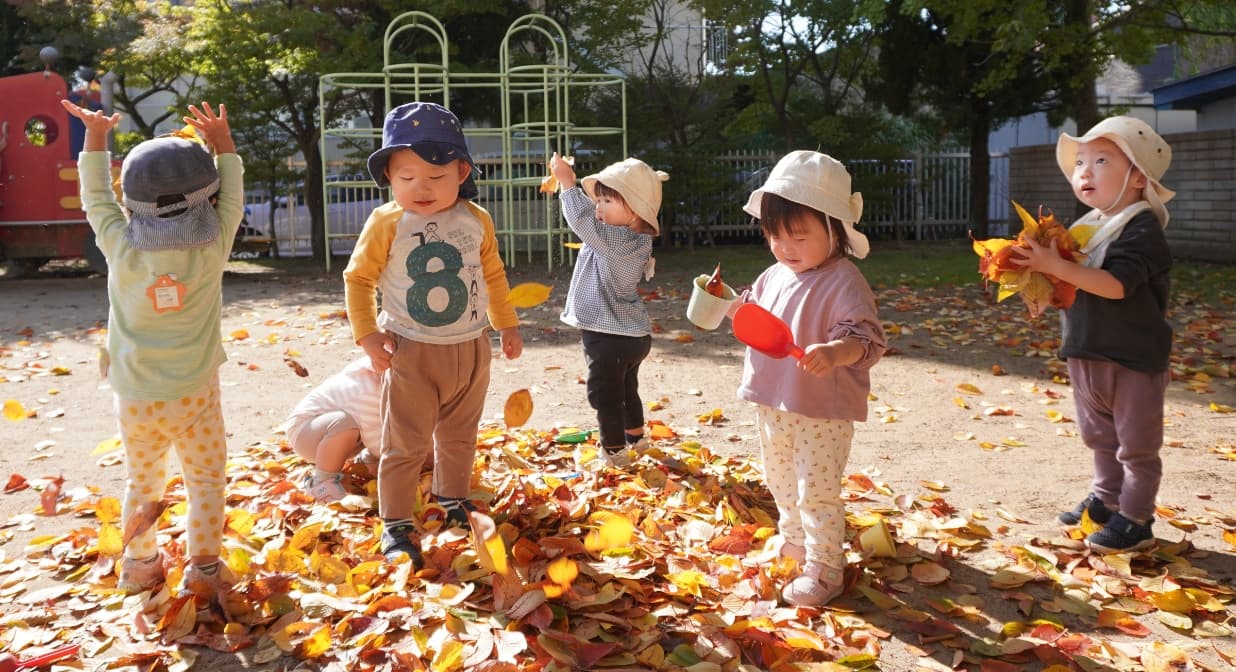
(1121, 534)
(397, 541)
(1099, 512)
(457, 510)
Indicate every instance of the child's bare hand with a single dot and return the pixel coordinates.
(213, 127)
(1036, 257)
(560, 169)
(512, 342)
(820, 358)
(94, 120)
(379, 346)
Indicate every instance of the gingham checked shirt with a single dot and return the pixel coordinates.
(602, 296)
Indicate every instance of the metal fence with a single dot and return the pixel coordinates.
(922, 197)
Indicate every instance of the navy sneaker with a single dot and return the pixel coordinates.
(457, 509)
(1099, 512)
(1121, 534)
(397, 540)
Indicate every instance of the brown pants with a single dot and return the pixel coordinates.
(432, 399)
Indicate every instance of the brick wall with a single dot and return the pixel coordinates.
(1203, 173)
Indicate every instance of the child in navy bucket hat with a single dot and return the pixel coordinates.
(434, 256)
(166, 249)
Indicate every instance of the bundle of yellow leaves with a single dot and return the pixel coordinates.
(1037, 289)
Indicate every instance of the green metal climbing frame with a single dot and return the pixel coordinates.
(533, 102)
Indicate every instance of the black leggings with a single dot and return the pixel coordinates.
(613, 382)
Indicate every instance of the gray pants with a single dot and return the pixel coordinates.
(1120, 415)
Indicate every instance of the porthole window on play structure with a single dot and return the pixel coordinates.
(41, 131)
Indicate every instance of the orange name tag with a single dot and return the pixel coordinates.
(166, 294)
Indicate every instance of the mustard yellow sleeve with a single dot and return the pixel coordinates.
(501, 311)
(360, 278)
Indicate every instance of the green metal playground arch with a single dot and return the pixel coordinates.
(534, 101)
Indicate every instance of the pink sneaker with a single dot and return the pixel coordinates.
(790, 549)
(139, 575)
(818, 584)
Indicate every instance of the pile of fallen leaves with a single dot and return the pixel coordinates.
(668, 565)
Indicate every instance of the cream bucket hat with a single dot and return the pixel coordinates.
(638, 183)
(1149, 153)
(820, 182)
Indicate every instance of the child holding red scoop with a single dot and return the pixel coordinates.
(806, 405)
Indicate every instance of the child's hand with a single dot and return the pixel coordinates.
(562, 171)
(97, 124)
(820, 358)
(213, 127)
(379, 346)
(1036, 257)
(512, 342)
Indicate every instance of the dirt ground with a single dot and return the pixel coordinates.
(943, 424)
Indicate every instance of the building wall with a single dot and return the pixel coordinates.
(1203, 173)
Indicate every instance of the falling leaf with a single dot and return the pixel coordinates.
(1216, 407)
(613, 531)
(967, 388)
(518, 408)
(529, 294)
(239, 334)
(50, 496)
(296, 367)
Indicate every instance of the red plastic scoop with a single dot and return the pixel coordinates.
(760, 329)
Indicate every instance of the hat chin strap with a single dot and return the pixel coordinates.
(1123, 188)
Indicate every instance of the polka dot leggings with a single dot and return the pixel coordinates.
(804, 459)
(193, 426)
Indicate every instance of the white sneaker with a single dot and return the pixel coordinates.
(639, 446)
(818, 584)
(326, 491)
(619, 459)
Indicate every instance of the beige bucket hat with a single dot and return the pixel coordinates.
(820, 182)
(638, 183)
(1149, 153)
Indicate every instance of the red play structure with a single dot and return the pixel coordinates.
(40, 210)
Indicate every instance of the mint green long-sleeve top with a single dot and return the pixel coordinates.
(161, 356)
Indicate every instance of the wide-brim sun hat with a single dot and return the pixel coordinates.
(1145, 148)
(638, 183)
(166, 167)
(821, 183)
(430, 130)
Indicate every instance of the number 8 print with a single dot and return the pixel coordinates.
(425, 281)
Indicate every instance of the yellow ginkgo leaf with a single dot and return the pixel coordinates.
(13, 410)
(967, 388)
(529, 294)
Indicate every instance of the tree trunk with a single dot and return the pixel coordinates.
(313, 199)
(980, 168)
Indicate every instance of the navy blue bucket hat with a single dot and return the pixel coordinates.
(430, 130)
